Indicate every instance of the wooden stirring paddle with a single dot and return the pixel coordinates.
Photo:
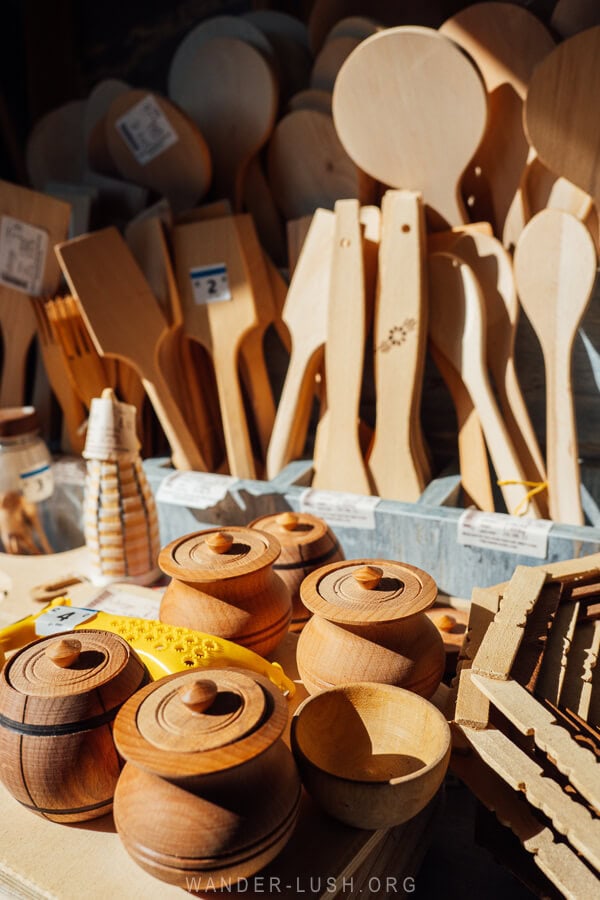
(457, 329)
(125, 321)
(555, 270)
(399, 130)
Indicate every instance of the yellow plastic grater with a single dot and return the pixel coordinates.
(163, 648)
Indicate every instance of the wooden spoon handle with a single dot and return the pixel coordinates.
(233, 414)
(18, 334)
(185, 452)
(561, 443)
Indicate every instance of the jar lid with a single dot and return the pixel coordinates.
(368, 590)
(16, 420)
(218, 554)
(293, 528)
(195, 723)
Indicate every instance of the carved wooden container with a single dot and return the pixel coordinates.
(307, 543)
(209, 790)
(223, 583)
(369, 624)
(58, 700)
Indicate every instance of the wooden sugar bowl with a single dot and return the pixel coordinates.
(209, 790)
(369, 624)
(58, 700)
(307, 543)
(223, 583)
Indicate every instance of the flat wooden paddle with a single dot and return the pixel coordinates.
(558, 120)
(555, 270)
(153, 144)
(457, 329)
(125, 321)
(399, 130)
(30, 224)
(400, 336)
(338, 463)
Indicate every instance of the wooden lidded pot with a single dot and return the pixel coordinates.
(307, 543)
(58, 700)
(209, 790)
(369, 624)
(223, 583)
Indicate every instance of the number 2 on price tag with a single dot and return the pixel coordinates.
(210, 284)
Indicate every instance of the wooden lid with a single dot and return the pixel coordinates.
(368, 590)
(218, 554)
(195, 723)
(292, 528)
(50, 667)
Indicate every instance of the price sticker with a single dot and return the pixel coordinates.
(146, 130)
(509, 534)
(23, 250)
(340, 509)
(196, 490)
(60, 619)
(210, 284)
(37, 483)
(119, 602)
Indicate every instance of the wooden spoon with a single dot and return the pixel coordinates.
(125, 321)
(231, 95)
(457, 329)
(571, 16)
(555, 270)
(329, 61)
(288, 37)
(94, 123)
(153, 144)
(400, 341)
(338, 463)
(309, 168)
(399, 130)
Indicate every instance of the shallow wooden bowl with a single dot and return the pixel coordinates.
(371, 755)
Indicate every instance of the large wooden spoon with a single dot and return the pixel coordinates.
(457, 329)
(555, 270)
(402, 132)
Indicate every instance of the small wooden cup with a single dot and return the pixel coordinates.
(371, 755)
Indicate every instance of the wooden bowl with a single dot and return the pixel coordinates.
(371, 755)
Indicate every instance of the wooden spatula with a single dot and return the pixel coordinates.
(399, 130)
(153, 144)
(231, 95)
(125, 321)
(562, 91)
(338, 463)
(219, 310)
(555, 270)
(400, 336)
(309, 168)
(30, 223)
(507, 42)
(457, 329)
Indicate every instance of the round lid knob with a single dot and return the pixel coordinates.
(64, 652)
(288, 520)
(192, 724)
(298, 528)
(216, 554)
(363, 591)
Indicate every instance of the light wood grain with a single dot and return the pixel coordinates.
(555, 271)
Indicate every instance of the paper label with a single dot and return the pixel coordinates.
(146, 130)
(509, 534)
(23, 249)
(196, 490)
(210, 284)
(119, 602)
(37, 483)
(111, 430)
(62, 618)
(340, 509)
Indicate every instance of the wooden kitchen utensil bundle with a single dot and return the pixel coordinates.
(528, 703)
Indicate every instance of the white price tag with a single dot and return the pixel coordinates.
(119, 602)
(37, 483)
(196, 490)
(60, 619)
(146, 130)
(349, 510)
(509, 534)
(23, 249)
(210, 284)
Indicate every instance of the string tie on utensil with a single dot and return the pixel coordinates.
(535, 487)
